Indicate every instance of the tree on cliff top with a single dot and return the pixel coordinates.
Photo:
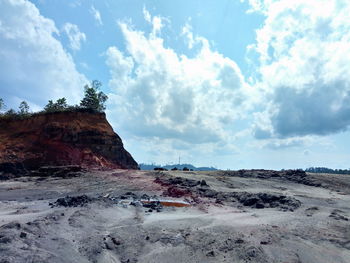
(2, 104)
(59, 105)
(94, 99)
(23, 108)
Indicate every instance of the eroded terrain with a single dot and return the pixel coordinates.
(174, 216)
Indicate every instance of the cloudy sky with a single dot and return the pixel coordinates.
(227, 83)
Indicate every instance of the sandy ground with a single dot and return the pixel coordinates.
(212, 229)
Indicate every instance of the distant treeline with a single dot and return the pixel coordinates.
(93, 101)
(144, 166)
(327, 170)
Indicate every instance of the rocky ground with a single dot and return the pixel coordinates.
(174, 216)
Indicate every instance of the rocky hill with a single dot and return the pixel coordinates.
(61, 138)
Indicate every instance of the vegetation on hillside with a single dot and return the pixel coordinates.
(93, 101)
(327, 170)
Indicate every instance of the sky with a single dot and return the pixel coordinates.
(229, 83)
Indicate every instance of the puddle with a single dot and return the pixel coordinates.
(163, 202)
(173, 203)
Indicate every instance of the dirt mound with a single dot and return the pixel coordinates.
(166, 181)
(296, 176)
(264, 200)
(253, 200)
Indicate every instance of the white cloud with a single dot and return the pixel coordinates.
(75, 3)
(161, 94)
(156, 21)
(277, 144)
(304, 49)
(96, 14)
(258, 5)
(306, 152)
(297, 142)
(146, 15)
(187, 32)
(32, 60)
(74, 35)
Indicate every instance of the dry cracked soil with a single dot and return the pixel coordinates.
(174, 216)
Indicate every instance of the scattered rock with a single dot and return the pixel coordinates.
(211, 254)
(12, 225)
(250, 201)
(145, 197)
(311, 211)
(252, 251)
(5, 240)
(259, 205)
(338, 215)
(203, 183)
(136, 203)
(208, 192)
(115, 241)
(108, 245)
(239, 241)
(73, 201)
(130, 195)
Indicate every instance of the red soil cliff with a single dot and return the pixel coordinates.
(62, 138)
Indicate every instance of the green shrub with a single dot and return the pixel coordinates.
(59, 105)
(93, 98)
(23, 109)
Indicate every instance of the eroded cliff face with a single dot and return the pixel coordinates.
(64, 138)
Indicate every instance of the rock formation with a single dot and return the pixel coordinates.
(61, 138)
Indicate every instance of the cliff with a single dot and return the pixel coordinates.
(61, 138)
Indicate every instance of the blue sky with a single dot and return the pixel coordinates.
(232, 83)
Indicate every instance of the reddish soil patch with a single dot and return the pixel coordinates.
(177, 192)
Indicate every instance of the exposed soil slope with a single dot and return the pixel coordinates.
(64, 138)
